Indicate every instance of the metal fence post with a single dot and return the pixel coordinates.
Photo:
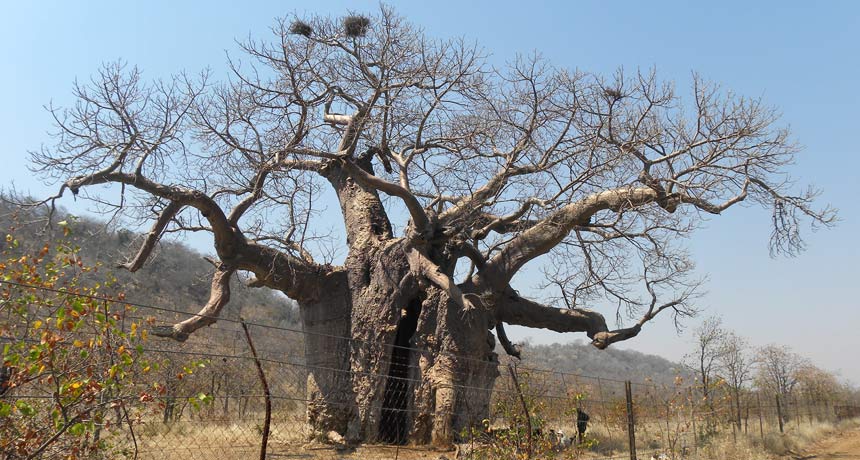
(631, 422)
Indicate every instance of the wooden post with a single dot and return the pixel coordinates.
(734, 434)
(779, 414)
(631, 422)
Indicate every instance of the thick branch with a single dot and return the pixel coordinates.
(273, 268)
(219, 295)
(513, 309)
(416, 211)
(168, 213)
(300, 279)
(549, 232)
(510, 348)
(224, 232)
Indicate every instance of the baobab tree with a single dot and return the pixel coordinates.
(451, 175)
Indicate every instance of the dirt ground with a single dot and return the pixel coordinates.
(843, 446)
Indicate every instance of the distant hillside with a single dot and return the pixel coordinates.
(176, 277)
(583, 359)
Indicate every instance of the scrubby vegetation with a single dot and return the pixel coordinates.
(177, 277)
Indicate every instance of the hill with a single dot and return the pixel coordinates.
(583, 359)
(178, 277)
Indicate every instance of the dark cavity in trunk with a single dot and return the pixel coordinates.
(393, 427)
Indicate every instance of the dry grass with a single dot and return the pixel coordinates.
(191, 439)
(796, 439)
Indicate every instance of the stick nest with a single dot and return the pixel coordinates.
(355, 26)
(301, 28)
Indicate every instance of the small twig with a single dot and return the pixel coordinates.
(130, 428)
(266, 392)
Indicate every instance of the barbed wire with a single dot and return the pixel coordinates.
(653, 407)
(302, 332)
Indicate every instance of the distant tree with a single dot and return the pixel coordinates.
(488, 167)
(817, 384)
(706, 356)
(735, 367)
(778, 369)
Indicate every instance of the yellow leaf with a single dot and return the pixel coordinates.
(37, 324)
(78, 343)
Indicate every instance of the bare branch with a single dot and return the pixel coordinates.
(219, 295)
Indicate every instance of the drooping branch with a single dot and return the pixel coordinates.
(219, 295)
(510, 348)
(154, 235)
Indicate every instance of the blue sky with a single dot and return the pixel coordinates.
(798, 56)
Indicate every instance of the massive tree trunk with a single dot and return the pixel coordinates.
(414, 369)
(390, 355)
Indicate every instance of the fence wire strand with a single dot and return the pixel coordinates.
(216, 411)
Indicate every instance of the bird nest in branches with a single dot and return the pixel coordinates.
(355, 26)
(301, 28)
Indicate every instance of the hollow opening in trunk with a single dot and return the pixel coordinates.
(393, 427)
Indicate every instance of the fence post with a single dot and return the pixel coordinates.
(693, 416)
(631, 422)
(734, 433)
(760, 421)
(779, 414)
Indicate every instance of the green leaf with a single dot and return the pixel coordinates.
(5, 409)
(77, 429)
(25, 409)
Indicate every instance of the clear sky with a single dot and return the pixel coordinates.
(800, 56)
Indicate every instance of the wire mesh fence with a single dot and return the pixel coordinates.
(203, 398)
